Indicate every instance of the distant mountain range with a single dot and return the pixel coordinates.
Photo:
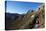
(13, 15)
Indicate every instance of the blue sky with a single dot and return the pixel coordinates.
(21, 7)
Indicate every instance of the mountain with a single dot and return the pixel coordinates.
(13, 15)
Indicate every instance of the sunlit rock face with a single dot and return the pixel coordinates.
(33, 16)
